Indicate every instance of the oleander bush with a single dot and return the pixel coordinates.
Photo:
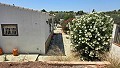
(91, 34)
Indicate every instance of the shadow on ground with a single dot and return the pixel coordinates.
(56, 47)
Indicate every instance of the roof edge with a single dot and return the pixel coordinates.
(23, 8)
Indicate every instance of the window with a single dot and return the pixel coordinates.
(9, 29)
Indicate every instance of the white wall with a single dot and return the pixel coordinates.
(115, 49)
(31, 30)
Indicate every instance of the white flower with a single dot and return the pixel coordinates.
(77, 45)
(82, 38)
(98, 34)
(88, 33)
(90, 36)
(91, 30)
(96, 29)
(79, 38)
(75, 36)
(98, 38)
(90, 26)
(84, 24)
(96, 48)
(85, 30)
(86, 36)
(79, 42)
(104, 43)
(80, 32)
(79, 23)
(83, 41)
(94, 42)
(95, 36)
(104, 29)
(102, 23)
(111, 19)
(91, 54)
(97, 43)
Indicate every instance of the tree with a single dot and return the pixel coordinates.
(119, 10)
(93, 10)
(80, 13)
(51, 12)
(43, 10)
(67, 16)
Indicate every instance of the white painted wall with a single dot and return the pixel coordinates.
(115, 49)
(114, 31)
(32, 30)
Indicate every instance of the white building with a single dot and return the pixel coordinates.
(25, 29)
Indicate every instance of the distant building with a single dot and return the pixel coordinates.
(25, 29)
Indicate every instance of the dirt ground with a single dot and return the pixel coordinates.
(38, 65)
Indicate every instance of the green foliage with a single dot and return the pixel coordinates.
(67, 16)
(115, 15)
(43, 10)
(65, 27)
(93, 10)
(91, 35)
(80, 13)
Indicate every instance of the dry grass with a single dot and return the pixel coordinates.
(63, 58)
(54, 51)
(72, 57)
(114, 60)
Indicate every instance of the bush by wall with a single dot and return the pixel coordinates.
(91, 34)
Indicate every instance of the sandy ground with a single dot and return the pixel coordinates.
(39, 65)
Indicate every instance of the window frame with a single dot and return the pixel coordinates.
(3, 25)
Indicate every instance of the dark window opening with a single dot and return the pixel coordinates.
(9, 29)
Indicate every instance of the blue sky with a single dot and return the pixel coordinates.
(67, 5)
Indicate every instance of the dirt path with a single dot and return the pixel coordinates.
(39, 65)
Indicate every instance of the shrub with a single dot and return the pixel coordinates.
(64, 27)
(91, 34)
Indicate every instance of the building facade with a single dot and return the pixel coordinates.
(24, 29)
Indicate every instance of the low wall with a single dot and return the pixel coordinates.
(115, 50)
(48, 42)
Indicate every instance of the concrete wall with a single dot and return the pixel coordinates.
(115, 51)
(32, 29)
(115, 48)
